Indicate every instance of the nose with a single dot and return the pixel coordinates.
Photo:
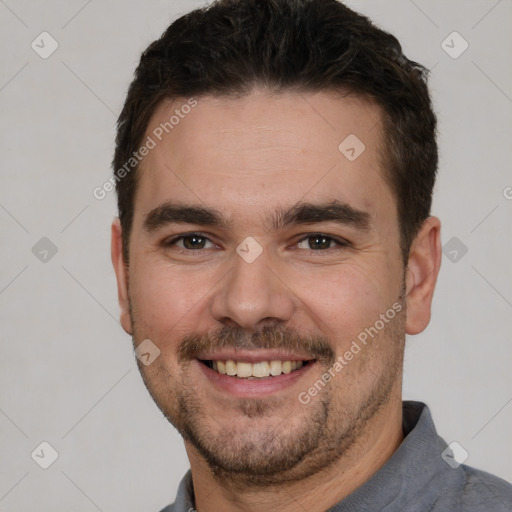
(252, 295)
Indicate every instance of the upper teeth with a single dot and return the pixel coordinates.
(261, 369)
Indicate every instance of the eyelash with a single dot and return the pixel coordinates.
(339, 242)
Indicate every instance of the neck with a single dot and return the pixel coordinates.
(317, 493)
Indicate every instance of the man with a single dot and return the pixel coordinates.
(274, 165)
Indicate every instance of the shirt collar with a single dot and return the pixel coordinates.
(399, 482)
(409, 477)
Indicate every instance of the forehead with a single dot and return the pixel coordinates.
(262, 151)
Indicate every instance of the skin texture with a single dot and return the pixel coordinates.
(248, 157)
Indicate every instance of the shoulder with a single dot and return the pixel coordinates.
(483, 491)
(171, 508)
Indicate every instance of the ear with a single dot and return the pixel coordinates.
(121, 270)
(422, 271)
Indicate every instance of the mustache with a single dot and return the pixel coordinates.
(269, 337)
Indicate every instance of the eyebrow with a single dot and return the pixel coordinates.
(298, 214)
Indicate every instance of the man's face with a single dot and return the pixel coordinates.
(268, 286)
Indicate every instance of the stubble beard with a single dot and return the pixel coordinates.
(275, 454)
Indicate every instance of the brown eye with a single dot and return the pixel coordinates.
(191, 242)
(318, 242)
(194, 242)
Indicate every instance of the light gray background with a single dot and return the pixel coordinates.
(67, 369)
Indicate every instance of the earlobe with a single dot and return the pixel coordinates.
(121, 271)
(421, 275)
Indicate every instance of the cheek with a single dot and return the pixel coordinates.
(348, 299)
(165, 300)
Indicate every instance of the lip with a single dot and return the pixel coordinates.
(253, 388)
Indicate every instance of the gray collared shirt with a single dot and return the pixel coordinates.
(421, 476)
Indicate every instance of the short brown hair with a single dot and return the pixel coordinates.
(231, 46)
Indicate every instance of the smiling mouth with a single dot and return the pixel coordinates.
(259, 370)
